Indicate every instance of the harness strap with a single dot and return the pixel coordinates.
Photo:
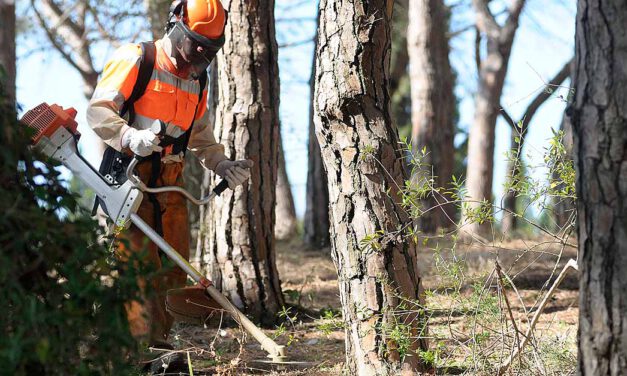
(111, 155)
(155, 160)
(146, 66)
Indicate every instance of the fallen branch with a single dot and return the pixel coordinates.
(570, 264)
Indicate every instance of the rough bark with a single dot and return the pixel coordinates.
(433, 106)
(7, 53)
(238, 230)
(518, 136)
(359, 147)
(599, 118)
(285, 212)
(492, 71)
(316, 221)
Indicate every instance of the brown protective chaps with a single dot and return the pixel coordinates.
(149, 322)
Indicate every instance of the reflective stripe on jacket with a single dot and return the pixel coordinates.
(168, 97)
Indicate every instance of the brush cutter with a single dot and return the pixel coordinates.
(56, 136)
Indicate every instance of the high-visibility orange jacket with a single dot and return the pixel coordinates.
(168, 97)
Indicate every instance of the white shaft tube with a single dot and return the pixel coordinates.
(274, 350)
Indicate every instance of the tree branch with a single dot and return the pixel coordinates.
(545, 94)
(485, 19)
(53, 38)
(71, 34)
(511, 24)
(478, 49)
(508, 118)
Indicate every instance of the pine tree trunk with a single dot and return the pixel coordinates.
(285, 212)
(599, 121)
(492, 72)
(519, 131)
(565, 210)
(509, 221)
(433, 106)
(238, 230)
(157, 12)
(359, 147)
(316, 221)
(7, 52)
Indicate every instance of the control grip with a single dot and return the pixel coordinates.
(221, 187)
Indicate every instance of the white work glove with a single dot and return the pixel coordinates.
(141, 142)
(235, 172)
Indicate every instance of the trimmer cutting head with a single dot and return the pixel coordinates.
(282, 361)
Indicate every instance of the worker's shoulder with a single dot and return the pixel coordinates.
(127, 52)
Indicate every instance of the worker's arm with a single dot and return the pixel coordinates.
(203, 144)
(114, 88)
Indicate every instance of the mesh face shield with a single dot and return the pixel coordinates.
(196, 50)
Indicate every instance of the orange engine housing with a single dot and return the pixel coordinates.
(45, 120)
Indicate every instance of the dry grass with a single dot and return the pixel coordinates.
(310, 282)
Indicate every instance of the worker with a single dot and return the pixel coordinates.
(174, 95)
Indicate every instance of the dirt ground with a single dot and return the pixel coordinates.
(314, 331)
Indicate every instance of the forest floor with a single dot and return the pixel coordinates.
(470, 326)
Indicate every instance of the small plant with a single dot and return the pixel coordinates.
(330, 321)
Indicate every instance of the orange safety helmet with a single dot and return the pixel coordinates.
(205, 18)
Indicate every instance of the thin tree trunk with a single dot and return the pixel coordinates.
(359, 147)
(518, 136)
(316, 221)
(157, 11)
(285, 212)
(238, 230)
(400, 55)
(7, 53)
(433, 106)
(599, 121)
(564, 209)
(509, 222)
(492, 71)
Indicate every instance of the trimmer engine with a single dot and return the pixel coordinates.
(56, 136)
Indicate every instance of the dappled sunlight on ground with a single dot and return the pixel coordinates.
(313, 332)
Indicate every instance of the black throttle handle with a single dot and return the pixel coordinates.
(221, 187)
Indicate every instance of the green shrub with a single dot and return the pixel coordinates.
(62, 293)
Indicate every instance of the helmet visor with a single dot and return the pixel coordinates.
(201, 48)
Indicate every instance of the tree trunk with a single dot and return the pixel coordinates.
(400, 54)
(285, 212)
(7, 53)
(492, 72)
(600, 142)
(238, 230)
(359, 147)
(518, 136)
(565, 210)
(509, 221)
(316, 221)
(157, 11)
(433, 106)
